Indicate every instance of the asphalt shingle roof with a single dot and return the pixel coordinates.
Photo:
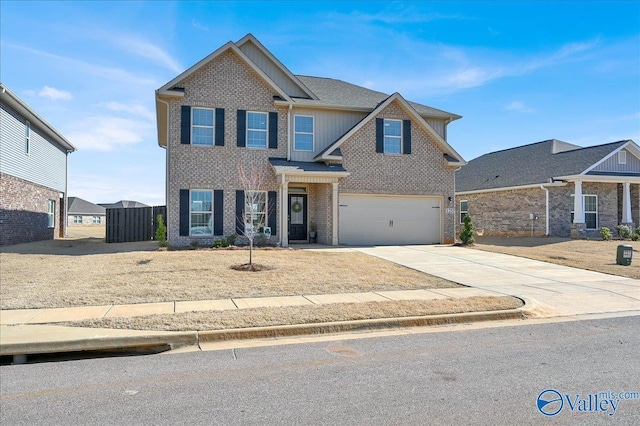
(340, 93)
(127, 204)
(529, 164)
(282, 165)
(78, 206)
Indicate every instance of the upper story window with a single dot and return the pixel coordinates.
(202, 126)
(27, 138)
(257, 130)
(622, 157)
(303, 133)
(392, 136)
(51, 213)
(201, 213)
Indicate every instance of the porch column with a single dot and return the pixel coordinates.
(626, 203)
(334, 221)
(284, 212)
(578, 227)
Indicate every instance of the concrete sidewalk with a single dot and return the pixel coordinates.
(556, 290)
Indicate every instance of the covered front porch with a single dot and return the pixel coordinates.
(308, 200)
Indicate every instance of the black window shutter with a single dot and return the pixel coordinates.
(272, 205)
(406, 136)
(219, 126)
(185, 125)
(239, 212)
(218, 212)
(184, 212)
(242, 128)
(273, 130)
(379, 135)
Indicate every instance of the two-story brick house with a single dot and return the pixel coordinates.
(361, 166)
(33, 174)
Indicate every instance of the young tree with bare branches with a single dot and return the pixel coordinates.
(254, 215)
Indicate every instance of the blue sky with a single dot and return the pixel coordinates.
(518, 72)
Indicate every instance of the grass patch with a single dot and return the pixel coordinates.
(308, 314)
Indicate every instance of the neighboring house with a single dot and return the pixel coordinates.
(361, 166)
(83, 212)
(529, 190)
(33, 174)
(123, 204)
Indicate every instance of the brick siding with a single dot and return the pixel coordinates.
(24, 211)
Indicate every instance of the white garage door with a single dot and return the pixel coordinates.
(389, 220)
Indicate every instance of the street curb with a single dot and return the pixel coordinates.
(175, 340)
(360, 325)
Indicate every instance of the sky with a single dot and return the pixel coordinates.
(518, 72)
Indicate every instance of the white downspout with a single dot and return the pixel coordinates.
(166, 168)
(289, 132)
(546, 214)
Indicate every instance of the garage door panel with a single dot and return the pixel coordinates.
(389, 220)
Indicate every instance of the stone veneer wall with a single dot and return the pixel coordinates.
(423, 172)
(24, 211)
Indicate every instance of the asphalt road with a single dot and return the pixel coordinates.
(489, 376)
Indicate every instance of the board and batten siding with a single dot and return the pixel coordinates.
(272, 70)
(46, 162)
(611, 164)
(329, 126)
(439, 126)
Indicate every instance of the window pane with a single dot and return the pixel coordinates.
(304, 124)
(304, 142)
(201, 224)
(392, 145)
(257, 120)
(202, 117)
(392, 128)
(202, 136)
(591, 219)
(463, 206)
(200, 201)
(590, 204)
(256, 139)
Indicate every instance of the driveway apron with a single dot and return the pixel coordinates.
(555, 290)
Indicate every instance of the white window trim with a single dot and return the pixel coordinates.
(466, 212)
(191, 212)
(247, 213)
(622, 157)
(27, 138)
(597, 213)
(266, 131)
(313, 130)
(384, 137)
(212, 127)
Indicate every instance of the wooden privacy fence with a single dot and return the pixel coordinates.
(125, 225)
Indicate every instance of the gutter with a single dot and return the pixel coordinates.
(289, 132)
(512, 188)
(166, 165)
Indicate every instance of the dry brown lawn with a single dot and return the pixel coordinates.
(592, 255)
(259, 317)
(86, 231)
(80, 272)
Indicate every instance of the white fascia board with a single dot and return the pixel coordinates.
(513, 188)
(283, 68)
(600, 179)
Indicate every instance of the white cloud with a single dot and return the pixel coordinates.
(54, 94)
(196, 24)
(106, 133)
(135, 109)
(148, 50)
(518, 106)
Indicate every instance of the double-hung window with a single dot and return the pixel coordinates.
(95, 220)
(590, 206)
(77, 220)
(27, 138)
(202, 126)
(51, 213)
(303, 138)
(257, 130)
(392, 136)
(464, 209)
(201, 213)
(255, 210)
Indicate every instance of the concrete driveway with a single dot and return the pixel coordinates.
(554, 290)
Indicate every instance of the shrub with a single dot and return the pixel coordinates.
(466, 235)
(231, 239)
(221, 243)
(623, 231)
(635, 236)
(161, 232)
(605, 233)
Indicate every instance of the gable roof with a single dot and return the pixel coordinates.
(330, 153)
(126, 204)
(18, 105)
(536, 163)
(78, 206)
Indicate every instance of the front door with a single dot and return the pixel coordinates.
(297, 217)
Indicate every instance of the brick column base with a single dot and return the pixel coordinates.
(579, 231)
